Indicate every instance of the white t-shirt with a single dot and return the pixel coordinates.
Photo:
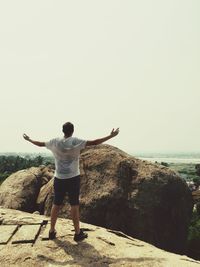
(66, 152)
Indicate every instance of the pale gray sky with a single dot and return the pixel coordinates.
(101, 64)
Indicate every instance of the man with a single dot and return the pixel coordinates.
(66, 152)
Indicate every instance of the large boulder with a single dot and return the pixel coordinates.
(142, 199)
(20, 190)
(24, 242)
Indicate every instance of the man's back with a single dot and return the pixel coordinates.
(66, 152)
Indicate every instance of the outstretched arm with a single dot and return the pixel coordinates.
(101, 140)
(37, 143)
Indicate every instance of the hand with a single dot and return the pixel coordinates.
(26, 137)
(114, 132)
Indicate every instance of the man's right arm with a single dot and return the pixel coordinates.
(104, 139)
(37, 143)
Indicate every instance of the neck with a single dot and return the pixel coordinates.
(67, 136)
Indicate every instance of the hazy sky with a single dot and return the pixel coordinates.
(101, 64)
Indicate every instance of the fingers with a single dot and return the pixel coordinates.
(26, 137)
(115, 131)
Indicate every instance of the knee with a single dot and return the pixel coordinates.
(74, 207)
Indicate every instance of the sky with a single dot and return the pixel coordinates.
(101, 65)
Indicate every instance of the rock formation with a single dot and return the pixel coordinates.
(142, 199)
(21, 189)
(24, 242)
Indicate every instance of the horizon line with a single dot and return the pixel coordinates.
(133, 152)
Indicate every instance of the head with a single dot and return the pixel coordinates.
(68, 129)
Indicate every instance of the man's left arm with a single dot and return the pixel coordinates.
(103, 139)
(37, 143)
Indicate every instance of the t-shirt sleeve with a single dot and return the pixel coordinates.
(50, 144)
(80, 143)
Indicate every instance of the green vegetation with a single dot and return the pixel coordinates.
(188, 171)
(196, 181)
(194, 230)
(12, 163)
(185, 170)
(194, 236)
(165, 164)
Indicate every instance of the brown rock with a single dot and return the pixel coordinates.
(20, 190)
(144, 200)
(45, 196)
(6, 232)
(102, 248)
(26, 234)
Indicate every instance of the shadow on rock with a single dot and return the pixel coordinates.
(86, 255)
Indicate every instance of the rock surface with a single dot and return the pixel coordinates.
(142, 199)
(102, 248)
(21, 189)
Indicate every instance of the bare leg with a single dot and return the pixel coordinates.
(75, 218)
(54, 215)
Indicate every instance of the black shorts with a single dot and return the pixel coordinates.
(64, 186)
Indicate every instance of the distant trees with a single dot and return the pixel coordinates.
(194, 236)
(198, 209)
(194, 228)
(196, 181)
(197, 167)
(164, 164)
(10, 164)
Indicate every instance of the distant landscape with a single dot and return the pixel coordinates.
(182, 163)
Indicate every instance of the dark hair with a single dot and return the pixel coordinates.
(68, 128)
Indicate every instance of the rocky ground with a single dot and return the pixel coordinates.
(24, 242)
(144, 200)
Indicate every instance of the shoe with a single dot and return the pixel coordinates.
(80, 236)
(52, 235)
